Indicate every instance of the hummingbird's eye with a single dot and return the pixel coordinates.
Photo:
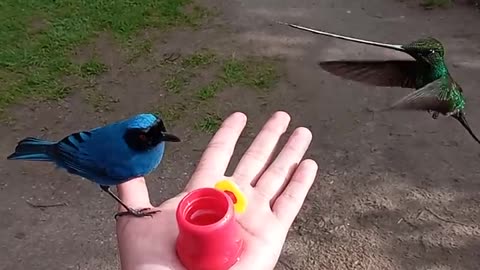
(432, 51)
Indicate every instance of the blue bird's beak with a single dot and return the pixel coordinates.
(170, 138)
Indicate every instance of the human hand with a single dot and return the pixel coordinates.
(275, 186)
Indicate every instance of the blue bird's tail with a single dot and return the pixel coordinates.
(33, 149)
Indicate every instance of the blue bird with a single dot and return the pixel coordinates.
(108, 155)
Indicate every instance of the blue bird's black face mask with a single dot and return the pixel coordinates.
(144, 139)
(159, 128)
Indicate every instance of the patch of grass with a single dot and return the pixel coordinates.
(172, 113)
(210, 123)
(209, 91)
(196, 14)
(138, 48)
(176, 82)
(250, 72)
(430, 4)
(202, 58)
(99, 100)
(92, 68)
(181, 77)
(38, 36)
(253, 73)
(234, 71)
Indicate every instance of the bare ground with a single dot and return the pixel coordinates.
(394, 191)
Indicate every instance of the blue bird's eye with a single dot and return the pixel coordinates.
(142, 137)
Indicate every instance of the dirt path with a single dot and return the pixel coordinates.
(398, 191)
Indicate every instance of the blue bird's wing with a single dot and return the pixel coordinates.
(80, 163)
(101, 155)
(72, 154)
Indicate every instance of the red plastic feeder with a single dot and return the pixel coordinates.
(209, 236)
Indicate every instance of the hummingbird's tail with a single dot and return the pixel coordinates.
(461, 118)
(368, 42)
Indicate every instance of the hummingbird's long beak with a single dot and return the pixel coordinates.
(461, 118)
(378, 44)
(167, 137)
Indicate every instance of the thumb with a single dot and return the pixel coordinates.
(134, 193)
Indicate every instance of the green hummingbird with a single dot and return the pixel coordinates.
(435, 89)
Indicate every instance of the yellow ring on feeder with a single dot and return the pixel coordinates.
(239, 200)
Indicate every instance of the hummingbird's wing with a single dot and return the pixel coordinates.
(431, 97)
(393, 73)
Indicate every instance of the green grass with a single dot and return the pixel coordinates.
(176, 82)
(37, 37)
(249, 72)
(99, 100)
(210, 123)
(253, 73)
(138, 48)
(199, 59)
(171, 113)
(186, 97)
(92, 68)
(180, 78)
(209, 91)
(430, 4)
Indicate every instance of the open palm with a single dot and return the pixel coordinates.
(275, 187)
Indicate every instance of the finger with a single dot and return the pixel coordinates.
(260, 153)
(134, 194)
(290, 201)
(216, 157)
(280, 171)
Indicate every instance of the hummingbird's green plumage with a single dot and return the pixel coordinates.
(435, 91)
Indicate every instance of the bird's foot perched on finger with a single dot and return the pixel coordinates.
(137, 213)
